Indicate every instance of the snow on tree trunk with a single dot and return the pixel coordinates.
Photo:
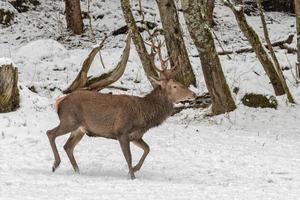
(257, 46)
(174, 41)
(222, 100)
(297, 10)
(73, 16)
(9, 93)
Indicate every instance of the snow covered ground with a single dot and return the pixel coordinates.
(247, 154)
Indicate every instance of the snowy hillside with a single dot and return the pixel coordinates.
(247, 154)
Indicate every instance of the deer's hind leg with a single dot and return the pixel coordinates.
(73, 140)
(61, 129)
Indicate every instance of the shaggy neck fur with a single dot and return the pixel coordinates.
(156, 107)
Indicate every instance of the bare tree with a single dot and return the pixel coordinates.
(9, 92)
(273, 55)
(73, 16)
(99, 82)
(253, 38)
(174, 41)
(222, 100)
(297, 11)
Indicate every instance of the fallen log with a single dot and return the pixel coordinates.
(202, 101)
(283, 44)
(124, 29)
(289, 48)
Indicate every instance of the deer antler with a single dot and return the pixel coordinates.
(164, 71)
(173, 70)
(163, 62)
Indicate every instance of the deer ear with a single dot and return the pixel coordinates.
(154, 80)
(157, 82)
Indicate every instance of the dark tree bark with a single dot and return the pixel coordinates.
(174, 41)
(73, 16)
(210, 12)
(146, 59)
(272, 5)
(208, 7)
(258, 47)
(279, 5)
(6, 17)
(9, 92)
(222, 100)
(24, 5)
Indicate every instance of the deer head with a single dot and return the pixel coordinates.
(176, 91)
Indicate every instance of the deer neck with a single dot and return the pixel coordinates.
(156, 106)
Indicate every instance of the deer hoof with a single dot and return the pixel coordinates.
(132, 177)
(53, 169)
(77, 171)
(55, 166)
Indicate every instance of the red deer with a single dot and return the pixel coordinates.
(121, 117)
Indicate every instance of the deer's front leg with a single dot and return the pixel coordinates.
(143, 145)
(125, 146)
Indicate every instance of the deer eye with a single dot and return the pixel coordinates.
(174, 86)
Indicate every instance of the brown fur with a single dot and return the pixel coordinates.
(58, 101)
(122, 117)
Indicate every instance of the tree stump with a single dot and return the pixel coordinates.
(9, 92)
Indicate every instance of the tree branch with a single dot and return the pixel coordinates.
(283, 44)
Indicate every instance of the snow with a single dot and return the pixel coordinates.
(250, 153)
(5, 61)
(41, 49)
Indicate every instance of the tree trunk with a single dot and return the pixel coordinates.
(9, 92)
(297, 11)
(73, 16)
(147, 61)
(174, 41)
(210, 12)
(222, 100)
(258, 48)
(273, 55)
(208, 7)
